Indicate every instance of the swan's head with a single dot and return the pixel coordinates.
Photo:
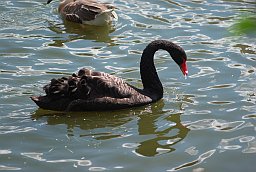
(180, 58)
(176, 52)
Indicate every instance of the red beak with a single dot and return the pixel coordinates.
(184, 68)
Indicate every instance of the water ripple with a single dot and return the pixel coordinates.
(200, 159)
(221, 102)
(249, 116)
(216, 102)
(235, 143)
(3, 167)
(4, 152)
(15, 129)
(192, 151)
(16, 55)
(217, 125)
(219, 86)
(204, 71)
(33, 155)
(38, 157)
(97, 169)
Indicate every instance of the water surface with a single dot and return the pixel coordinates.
(204, 123)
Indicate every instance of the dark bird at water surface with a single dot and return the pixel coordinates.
(91, 91)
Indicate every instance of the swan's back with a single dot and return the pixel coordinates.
(89, 90)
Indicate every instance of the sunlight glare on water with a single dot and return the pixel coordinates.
(204, 119)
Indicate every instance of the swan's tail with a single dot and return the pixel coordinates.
(45, 102)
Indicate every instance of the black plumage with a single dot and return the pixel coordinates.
(90, 90)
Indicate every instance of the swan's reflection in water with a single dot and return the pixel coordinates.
(158, 129)
(69, 31)
(164, 128)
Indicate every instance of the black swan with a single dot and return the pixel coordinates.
(89, 90)
(88, 12)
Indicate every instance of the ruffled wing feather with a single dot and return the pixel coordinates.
(88, 85)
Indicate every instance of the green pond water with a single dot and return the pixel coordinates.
(204, 123)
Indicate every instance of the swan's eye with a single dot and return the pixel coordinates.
(184, 67)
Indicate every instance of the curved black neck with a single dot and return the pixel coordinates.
(152, 85)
